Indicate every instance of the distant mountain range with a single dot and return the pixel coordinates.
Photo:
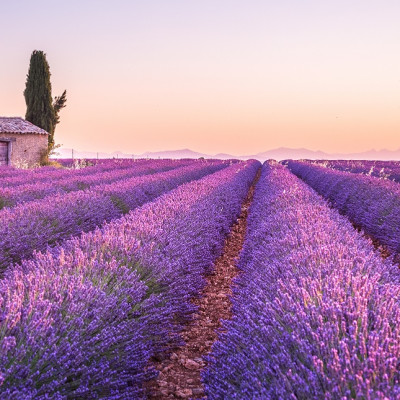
(281, 153)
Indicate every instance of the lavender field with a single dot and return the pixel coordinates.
(102, 266)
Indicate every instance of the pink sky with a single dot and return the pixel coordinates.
(214, 76)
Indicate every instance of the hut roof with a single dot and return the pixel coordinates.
(19, 125)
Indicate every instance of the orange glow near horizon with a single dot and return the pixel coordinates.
(226, 77)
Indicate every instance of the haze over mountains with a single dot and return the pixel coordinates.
(281, 153)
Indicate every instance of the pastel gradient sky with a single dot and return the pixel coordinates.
(211, 75)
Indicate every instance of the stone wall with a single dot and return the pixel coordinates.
(26, 149)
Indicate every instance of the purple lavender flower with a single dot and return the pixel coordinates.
(88, 316)
(370, 203)
(316, 309)
(61, 182)
(38, 224)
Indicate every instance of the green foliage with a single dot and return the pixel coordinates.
(120, 204)
(39, 105)
(40, 109)
(59, 103)
(47, 153)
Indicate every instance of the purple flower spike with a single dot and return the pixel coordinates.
(316, 309)
(88, 316)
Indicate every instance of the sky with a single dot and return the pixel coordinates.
(238, 77)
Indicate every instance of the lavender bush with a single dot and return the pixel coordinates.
(316, 310)
(83, 320)
(11, 196)
(9, 171)
(380, 169)
(22, 176)
(371, 203)
(37, 224)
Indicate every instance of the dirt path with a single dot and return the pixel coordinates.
(179, 376)
(381, 248)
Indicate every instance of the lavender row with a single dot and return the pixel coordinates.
(44, 174)
(370, 203)
(11, 196)
(316, 310)
(83, 321)
(9, 171)
(38, 224)
(380, 169)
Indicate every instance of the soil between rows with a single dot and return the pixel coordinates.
(180, 374)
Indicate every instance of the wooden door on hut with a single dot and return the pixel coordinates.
(3, 153)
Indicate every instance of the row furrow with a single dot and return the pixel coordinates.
(316, 309)
(11, 196)
(370, 203)
(46, 222)
(83, 320)
(15, 177)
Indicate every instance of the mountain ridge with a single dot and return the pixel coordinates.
(280, 153)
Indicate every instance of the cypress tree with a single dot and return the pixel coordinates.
(59, 103)
(40, 109)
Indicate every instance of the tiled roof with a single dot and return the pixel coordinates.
(19, 125)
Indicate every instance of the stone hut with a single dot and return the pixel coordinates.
(21, 142)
